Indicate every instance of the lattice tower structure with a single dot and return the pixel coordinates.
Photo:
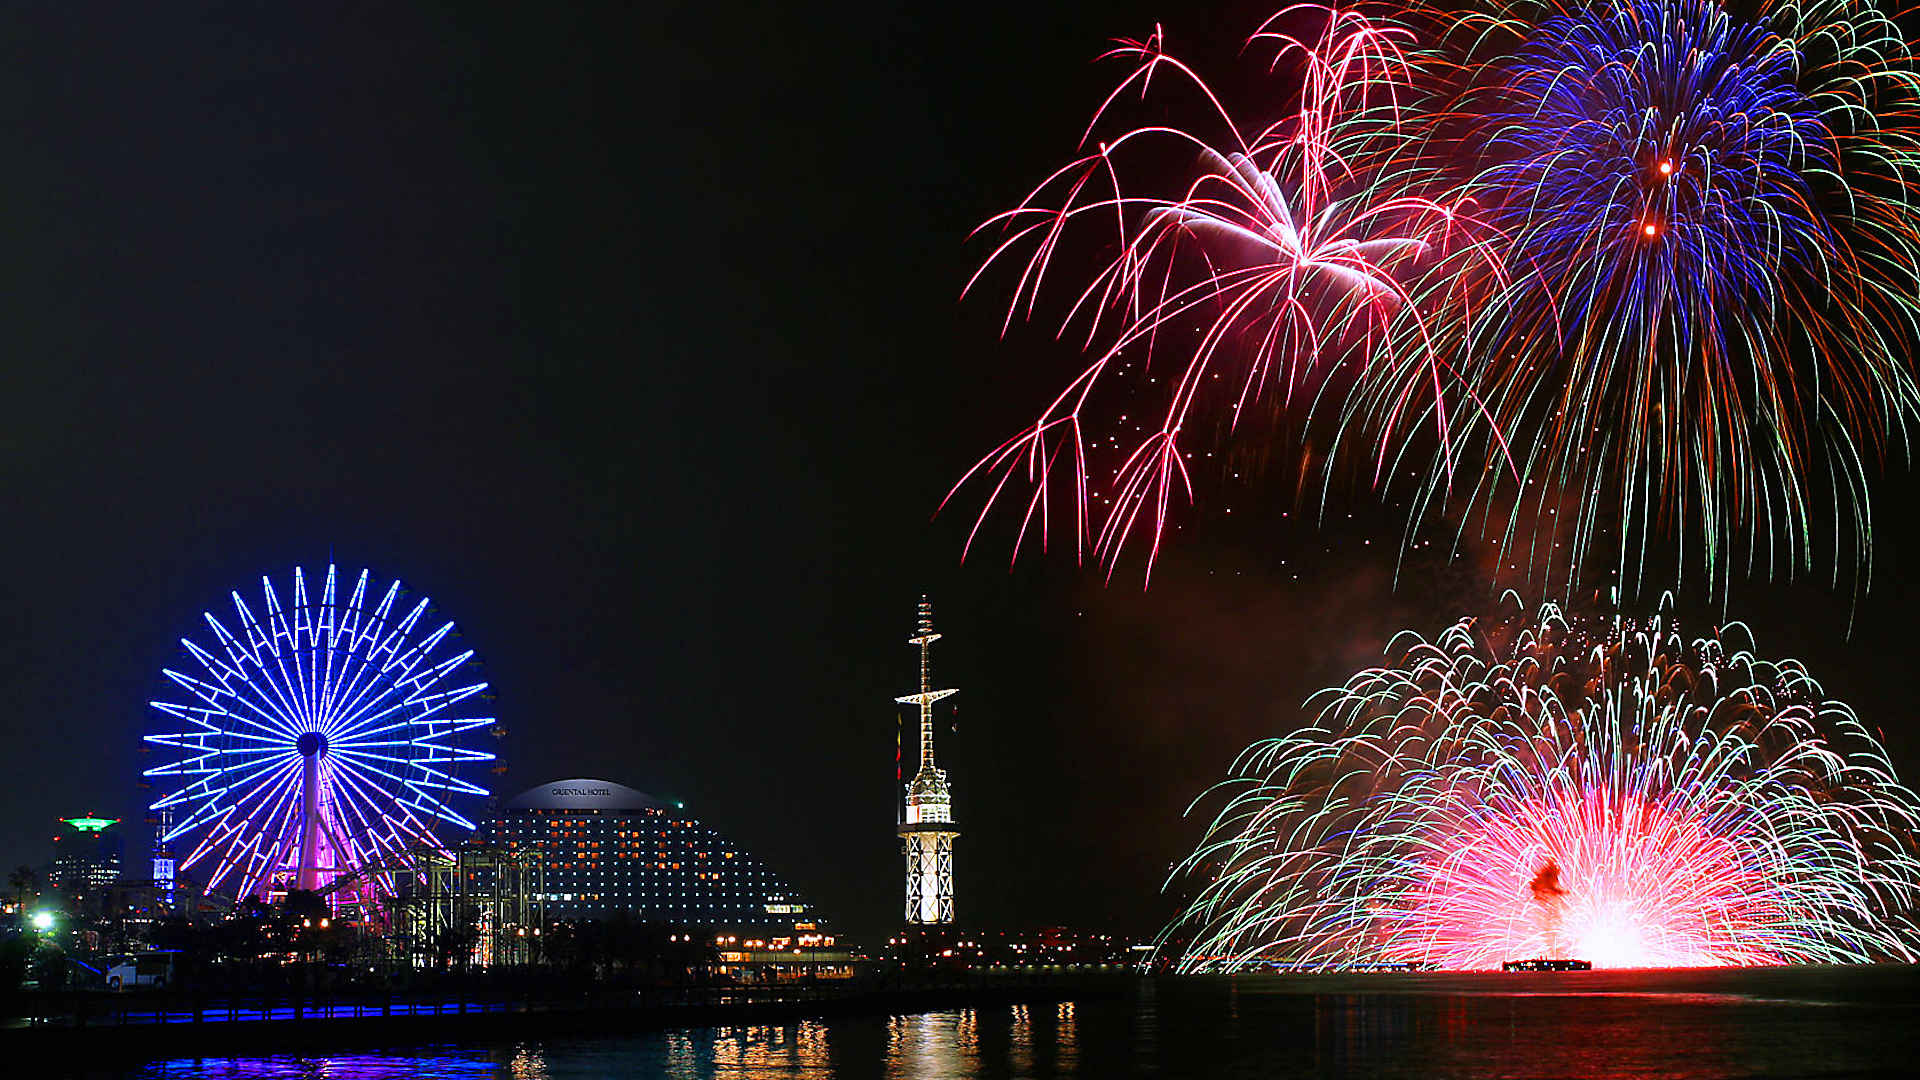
(927, 830)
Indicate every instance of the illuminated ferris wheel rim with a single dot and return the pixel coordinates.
(323, 705)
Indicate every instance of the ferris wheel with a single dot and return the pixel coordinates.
(322, 745)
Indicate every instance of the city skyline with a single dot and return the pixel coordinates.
(389, 300)
(1347, 539)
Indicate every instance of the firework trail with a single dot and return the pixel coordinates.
(1280, 260)
(1689, 355)
(1706, 316)
(1551, 787)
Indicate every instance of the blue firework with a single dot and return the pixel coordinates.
(1711, 276)
(1654, 160)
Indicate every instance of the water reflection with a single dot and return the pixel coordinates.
(527, 1064)
(426, 1066)
(798, 1051)
(1680, 1025)
(1066, 1038)
(933, 1046)
(1146, 1027)
(1020, 1040)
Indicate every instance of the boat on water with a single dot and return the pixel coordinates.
(1543, 964)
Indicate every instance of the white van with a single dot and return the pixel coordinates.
(141, 969)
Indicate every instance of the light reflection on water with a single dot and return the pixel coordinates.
(933, 1046)
(376, 1066)
(1686, 1026)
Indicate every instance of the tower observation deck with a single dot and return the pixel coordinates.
(926, 830)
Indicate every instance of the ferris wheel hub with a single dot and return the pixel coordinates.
(311, 744)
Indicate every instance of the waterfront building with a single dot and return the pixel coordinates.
(806, 952)
(926, 828)
(605, 847)
(86, 860)
(1036, 948)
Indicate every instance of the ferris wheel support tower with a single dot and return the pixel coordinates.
(927, 831)
(311, 747)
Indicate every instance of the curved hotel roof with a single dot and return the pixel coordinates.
(585, 793)
(605, 847)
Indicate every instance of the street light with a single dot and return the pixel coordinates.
(43, 920)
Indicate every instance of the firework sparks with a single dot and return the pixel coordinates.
(1713, 293)
(1548, 787)
(1284, 257)
(1694, 349)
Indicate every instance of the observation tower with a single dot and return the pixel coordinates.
(927, 832)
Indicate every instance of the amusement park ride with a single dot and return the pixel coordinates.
(319, 746)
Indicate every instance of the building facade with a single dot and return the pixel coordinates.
(605, 848)
(87, 854)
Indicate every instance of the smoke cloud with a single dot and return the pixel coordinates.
(1548, 893)
(1546, 885)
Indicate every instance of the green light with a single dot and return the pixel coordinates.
(90, 824)
(43, 920)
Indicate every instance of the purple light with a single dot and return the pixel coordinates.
(322, 703)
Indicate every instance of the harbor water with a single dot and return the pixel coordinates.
(1782, 1022)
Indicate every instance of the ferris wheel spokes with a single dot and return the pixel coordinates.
(317, 740)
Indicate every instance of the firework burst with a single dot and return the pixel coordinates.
(1701, 340)
(1282, 258)
(1546, 787)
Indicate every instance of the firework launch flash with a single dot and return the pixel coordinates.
(1553, 787)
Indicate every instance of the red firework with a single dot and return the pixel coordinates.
(1283, 258)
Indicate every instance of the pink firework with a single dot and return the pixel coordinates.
(1575, 874)
(1584, 789)
(1287, 255)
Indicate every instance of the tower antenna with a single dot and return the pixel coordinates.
(927, 832)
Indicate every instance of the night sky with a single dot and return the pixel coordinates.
(635, 341)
